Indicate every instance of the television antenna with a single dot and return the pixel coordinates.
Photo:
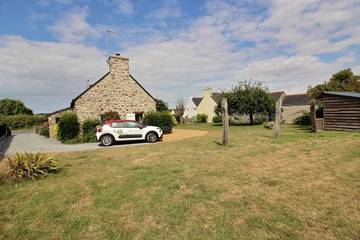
(108, 34)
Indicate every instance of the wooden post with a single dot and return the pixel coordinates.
(225, 121)
(277, 124)
(313, 116)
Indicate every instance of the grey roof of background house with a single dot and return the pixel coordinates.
(345, 94)
(196, 100)
(276, 95)
(296, 100)
(216, 97)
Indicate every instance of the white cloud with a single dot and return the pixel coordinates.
(168, 9)
(72, 27)
(34, 71)
(124, 7)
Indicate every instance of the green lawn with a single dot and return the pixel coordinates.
(301, 186)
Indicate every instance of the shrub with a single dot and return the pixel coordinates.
(22, 120)
(174, 121)
(89, 130)
(159, 119)
(304, 120)
(44, 132)
(269, 125)
(201, 118)
(26, 166)
(69, 126)
(111, 115)
(217, 119)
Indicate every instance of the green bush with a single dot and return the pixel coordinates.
(89, 130)
(44, 132)
(27, 166)
(269, 125)
(69, 126)
(217, 119)
(201, 118)
(159, 119)
(111, 115)
(174, 121)
(22, 120)
(304, 120)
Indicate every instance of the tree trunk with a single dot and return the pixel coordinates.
(251, 119)
(225, 120)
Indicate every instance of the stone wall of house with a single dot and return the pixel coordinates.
(207, 105)
(291, 112)
(117, 91)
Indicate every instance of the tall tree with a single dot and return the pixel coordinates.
(248, 98)
(161, 106)
(13, 107)
(180, 109)
(343, 81)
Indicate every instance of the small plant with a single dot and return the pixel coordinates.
(269, 125)
(44, 132)
(217, 119)
(69, 126)
(111, 115)
(304, 120)
(29, 166)
(174, 121)
(201, 118)
(159, 119)
(89, 130)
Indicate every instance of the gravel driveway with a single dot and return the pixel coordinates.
(31, 142)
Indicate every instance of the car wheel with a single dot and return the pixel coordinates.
(151, 137)
(107, 140)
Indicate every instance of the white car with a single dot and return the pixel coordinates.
(126, 130)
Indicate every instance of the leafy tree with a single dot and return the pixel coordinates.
(69, 126)
(180, 109)
(161, 106)
(343, 81)
(13, 107)
(248, 98)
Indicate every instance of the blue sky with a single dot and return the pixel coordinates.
(50, 48)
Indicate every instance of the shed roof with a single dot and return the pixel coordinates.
(344, 94)
(296, 100)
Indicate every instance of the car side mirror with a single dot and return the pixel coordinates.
(140, 126)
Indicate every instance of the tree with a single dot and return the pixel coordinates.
(343, 81)
(13, 107)
(161, 106)
(180, 109)
(248, 98)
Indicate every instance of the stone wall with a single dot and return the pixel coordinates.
(117, 91)
(291, 112)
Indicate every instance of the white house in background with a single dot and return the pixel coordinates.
(191, 106)
(208, 103)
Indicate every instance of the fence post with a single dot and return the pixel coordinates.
(277, 124)
(225, 121)
(313, 116)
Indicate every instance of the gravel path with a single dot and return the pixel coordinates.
(31, 142)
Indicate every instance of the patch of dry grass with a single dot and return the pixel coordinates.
(301, 186)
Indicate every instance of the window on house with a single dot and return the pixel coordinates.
(57, 119)
(101, 118)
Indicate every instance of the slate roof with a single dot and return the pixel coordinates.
(196, 100)
(216, 97)
(296, 100)
(276, 95)
(344, 94)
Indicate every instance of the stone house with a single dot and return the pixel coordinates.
(116, 91)
(295, 105)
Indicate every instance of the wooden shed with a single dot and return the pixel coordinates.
(341, 111)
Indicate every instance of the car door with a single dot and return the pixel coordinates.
(134, 131)
(120, 130)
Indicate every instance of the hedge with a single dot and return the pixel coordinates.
(22, 120)
(201, 118)
(89, 130)
(304, 120)
(159, 119)
(69, 126)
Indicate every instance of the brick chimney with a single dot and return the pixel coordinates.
(207, 92)
(118, 65)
